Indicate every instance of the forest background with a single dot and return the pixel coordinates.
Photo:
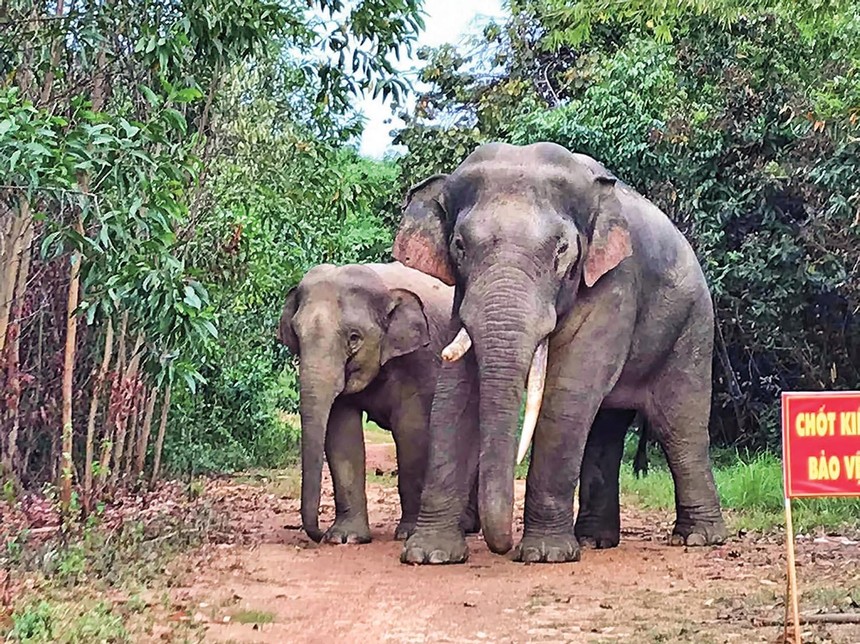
(169, 168)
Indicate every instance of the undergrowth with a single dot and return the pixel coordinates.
(750, 490)
(65, 583)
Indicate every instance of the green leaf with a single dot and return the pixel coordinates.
(210, 328)
(187, 95)
(191, 298)
(192, 384)
(150, 96)
(176, 119)
(130, 130)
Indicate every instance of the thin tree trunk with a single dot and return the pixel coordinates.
(98, 381)
(159, 442)
(128, 392)
(20, 230)
(114, 407)
(68, 374)
(143, 438)
(55, 60)
(13, 358)
(131, 434)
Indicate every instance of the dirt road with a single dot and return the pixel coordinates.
(278, 586)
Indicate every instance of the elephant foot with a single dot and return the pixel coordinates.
(597, 537)
(404, 529)
(698, 532)
(558, 548)
(435, 547)
(348, 531)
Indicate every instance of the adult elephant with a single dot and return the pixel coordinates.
(567, 276)
(368, 338)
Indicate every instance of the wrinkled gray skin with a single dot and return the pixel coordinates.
(543, 243)
(368, 337)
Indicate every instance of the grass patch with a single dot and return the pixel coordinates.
(374, 434)
(386, 479)
(750, 488)
(67, 621)
(285, 483)
(253, 617)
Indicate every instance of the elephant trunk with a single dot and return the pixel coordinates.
(318, 390)
(505, 339)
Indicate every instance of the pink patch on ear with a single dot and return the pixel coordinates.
(415, 250)
(608, 253)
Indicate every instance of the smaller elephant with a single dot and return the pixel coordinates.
(368, 337)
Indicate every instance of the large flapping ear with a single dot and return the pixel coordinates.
(421, 242)
(408, 329)
(610, 239)
(285, 329)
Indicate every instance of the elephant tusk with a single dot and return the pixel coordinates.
(458, 347)
(534, 397)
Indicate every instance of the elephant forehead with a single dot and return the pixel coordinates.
(503, 217)
(320, 310)
(545, 187)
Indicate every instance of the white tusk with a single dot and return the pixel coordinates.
(534, 397)
(458, 347)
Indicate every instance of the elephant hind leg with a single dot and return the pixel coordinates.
(678, 421)
(598, 522)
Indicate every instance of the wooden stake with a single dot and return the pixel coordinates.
(792, 573)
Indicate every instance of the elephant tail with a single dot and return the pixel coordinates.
(640, 462)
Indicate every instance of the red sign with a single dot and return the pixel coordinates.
(821, 443)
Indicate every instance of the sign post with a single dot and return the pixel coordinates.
(820, 457)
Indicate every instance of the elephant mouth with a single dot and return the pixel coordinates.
(535, 383)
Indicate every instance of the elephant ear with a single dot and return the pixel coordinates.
(610, 239)
(285, 329)
(421, 242)
(408, 329)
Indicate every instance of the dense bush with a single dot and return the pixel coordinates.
(169, 169)
(744, 130)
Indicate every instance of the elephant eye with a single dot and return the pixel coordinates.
(563, 248)
(354, 338)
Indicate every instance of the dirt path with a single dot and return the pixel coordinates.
(642, 591)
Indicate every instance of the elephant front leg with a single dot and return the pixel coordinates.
(598, 523)
(438, 536)
(559, 442)
(344, 448)
(579, 377)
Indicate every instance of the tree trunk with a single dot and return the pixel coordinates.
(127, 392)
(68, 374)
(143, 438)
(98, 381)
(13, 379)
(131, 434)
(17, 231)
(114, 407)
(159, 442)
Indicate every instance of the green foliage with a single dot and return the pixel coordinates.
(750, 489)
(67, 622)
(742, 128)
(282, 201)
(198, 165)
(32, 624)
